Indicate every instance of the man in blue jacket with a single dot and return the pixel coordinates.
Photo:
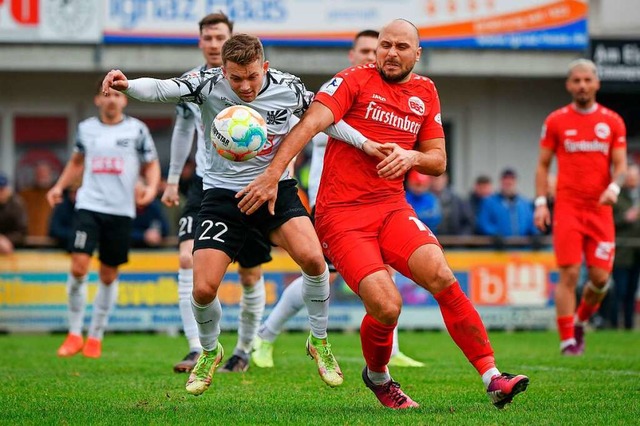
(505, 213)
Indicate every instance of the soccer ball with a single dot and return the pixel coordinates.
(238, 133)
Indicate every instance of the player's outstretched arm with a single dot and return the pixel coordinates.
(264, 188)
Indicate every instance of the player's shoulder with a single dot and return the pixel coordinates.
(89, 122)
(362, 72)
(134, 122)
(559, 114)
(609, 113)
(277, 77)
(194, 71)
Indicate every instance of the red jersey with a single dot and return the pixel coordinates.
(583, 141)
(403, 113)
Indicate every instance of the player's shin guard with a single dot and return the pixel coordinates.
(103, 304)
(77, 301)
(251, 310)
(465, 327)
(377, 341)
(315, 292)
(290, 303)
(208, 319)
(185, 287)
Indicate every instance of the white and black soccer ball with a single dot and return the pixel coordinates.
(238, 133)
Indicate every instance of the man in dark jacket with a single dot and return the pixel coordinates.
(13, 218)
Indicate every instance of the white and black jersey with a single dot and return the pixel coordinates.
(113, 154)
(281, 96)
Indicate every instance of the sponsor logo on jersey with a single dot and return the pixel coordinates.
(107, 165)
(572, 146)
(377, 113)
(602, 130)
(570, 132)
(378, 97)
(123, 143)
(268, 146)
(331, 87)
(277, 117)
(416, 105)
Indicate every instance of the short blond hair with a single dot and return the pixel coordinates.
(584, 64)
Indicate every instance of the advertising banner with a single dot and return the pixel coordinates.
(511, 290)
(618, 62)
(523, 24)
(51, 21)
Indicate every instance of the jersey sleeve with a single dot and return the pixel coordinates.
(80, 146)
(192, 87)
(619, 133)
(547, 135)
(145, 146)
(181, 141)
(338, 94)
(432, 123)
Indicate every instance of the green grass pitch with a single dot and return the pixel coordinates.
(133, 384)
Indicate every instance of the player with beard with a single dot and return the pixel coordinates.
(588, 140)
(362, 217)
(291, 302)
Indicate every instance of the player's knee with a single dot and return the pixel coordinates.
(203, 294)
(312, 263)
(185, 259)
(108, 276)
(249, 276)
(388, 313)
(78, 270)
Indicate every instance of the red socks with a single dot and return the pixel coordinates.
(377, 340)
(584, 311)
(565, 327)
(466, 327)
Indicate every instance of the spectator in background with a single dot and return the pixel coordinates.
(13, 218)
(423, 201)
(456, 214)
(150, 226)
(482, 188)
(506, 213)
(35, 199)
(626, 265)
(61, 223)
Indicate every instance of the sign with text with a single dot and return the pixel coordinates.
(525, 24)
(51, 21)
(618, 61)
(511, 290)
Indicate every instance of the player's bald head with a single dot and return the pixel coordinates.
(402, 26)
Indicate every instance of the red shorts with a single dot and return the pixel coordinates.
(362, 241)
(579, 231)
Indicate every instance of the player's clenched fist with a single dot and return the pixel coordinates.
(115, 79)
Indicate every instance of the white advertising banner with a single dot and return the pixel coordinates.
(537, 24)
(51, 21)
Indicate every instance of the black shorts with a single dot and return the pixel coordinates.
(222, 226)
(188, 220)
(111, 233)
